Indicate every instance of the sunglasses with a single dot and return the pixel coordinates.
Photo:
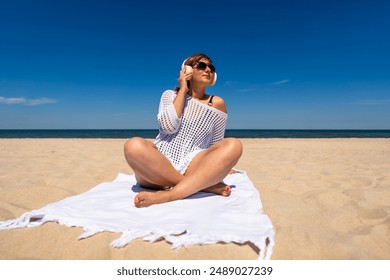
(202, 66)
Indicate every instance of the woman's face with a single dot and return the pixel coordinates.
(202, 74)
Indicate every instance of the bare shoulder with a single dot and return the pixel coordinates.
(219, 103)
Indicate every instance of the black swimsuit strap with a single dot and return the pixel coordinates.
(211, 100)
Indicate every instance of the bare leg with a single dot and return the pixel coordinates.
(154, 171)
(207, 169)
(150, 166)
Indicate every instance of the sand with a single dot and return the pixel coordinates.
(327, 198)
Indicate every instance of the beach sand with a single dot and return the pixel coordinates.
(327, 198)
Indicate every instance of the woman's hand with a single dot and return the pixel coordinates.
(178, 102)
(184, 76)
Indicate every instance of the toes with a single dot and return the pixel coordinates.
(227, 190)
(138, 201)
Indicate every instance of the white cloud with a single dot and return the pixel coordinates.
(11, 100)
(40, 101)
(25, 101)
(279, 82)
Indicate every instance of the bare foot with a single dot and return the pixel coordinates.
(220, 188)
(145, 199)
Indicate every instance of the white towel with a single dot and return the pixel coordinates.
(202, 218)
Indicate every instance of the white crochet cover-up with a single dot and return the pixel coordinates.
(181, 139)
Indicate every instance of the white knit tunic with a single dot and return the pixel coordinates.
(181, 139)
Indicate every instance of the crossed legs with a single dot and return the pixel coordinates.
(206, 171)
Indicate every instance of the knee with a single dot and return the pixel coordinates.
(133, 147)
(234, 147)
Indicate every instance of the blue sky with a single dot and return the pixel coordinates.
(281, 64)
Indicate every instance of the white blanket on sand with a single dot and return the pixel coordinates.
(202, 218)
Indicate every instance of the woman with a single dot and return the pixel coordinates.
(190, 153)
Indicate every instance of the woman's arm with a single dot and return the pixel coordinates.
(171, 105)
(181, 93)
(167, 116)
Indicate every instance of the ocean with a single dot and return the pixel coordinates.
(152, 133)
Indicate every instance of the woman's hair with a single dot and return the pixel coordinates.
(192, 60)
